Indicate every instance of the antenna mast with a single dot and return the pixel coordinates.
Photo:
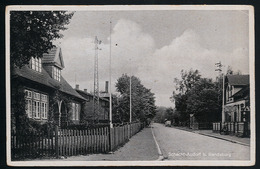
(96, 83)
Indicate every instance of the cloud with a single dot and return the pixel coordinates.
(130, 45)
(186, 52)
(78, 55)
(134, 52)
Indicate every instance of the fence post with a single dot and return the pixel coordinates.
(109, 139)
(56, 142)
(130, 130)
(127, 131)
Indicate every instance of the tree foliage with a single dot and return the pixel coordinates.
(166, 113)
(198, 96)
(203, 101)
(230, 71)
(160, 114)
(187, 81)
(180, 96)
(32, 33)
(143, 100)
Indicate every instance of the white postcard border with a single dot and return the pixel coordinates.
(248, 8)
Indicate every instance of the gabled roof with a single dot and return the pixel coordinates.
(103, 94)
(45, 79)
(238, 80)
(54, 56)
(242, 92)
(84, 94)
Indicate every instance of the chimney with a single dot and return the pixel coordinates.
(106, 87)
(86, 90)
(77, 86)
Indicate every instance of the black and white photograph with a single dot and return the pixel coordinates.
(130, 85)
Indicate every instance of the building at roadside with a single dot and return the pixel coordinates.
(48, 96)
(102, 115)
(236, 115)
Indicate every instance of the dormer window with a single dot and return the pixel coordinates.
(36, 64)
(230, 92)
(56, 73)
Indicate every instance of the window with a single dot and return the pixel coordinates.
(56, 73)
(44, 110)
(29, 108)
(28, 94)
(36, 96)
(36, 64)
(230, 93)
(75, 111)
(44, 97)
(36, 109)
(36, 105)
(44, 106)
(230, 90)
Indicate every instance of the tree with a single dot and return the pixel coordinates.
(201, 97)
(160, 114)
(180, 101)
(203, 101)
(143, 100)
(32, 33)
(169, 114)
(117, 117)
(164, 113)
(230, 71)
(188, 78)
(183, 86)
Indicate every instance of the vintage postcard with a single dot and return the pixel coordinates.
(130, 85)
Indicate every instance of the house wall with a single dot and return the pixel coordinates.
(35, 79)
(234, 109)
(234, 114)
(33, 87)
(87, 109)
(75, 113)
(63, 119)
(103, 110)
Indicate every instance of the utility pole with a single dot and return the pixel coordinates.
(96, 83)
(111, 135)
(130, 118)
(110, 92)
(219, 69)
(130, 92)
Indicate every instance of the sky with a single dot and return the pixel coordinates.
(154, 46)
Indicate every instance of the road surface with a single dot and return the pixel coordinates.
(177, 144)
